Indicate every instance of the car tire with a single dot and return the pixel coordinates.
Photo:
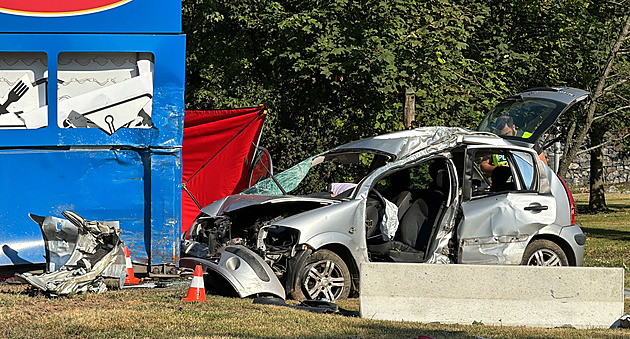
(324, 275)
(542, 252)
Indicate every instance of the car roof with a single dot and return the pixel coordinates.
(401, 144)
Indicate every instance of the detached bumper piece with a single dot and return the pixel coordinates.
(238, 271)
(81, 256)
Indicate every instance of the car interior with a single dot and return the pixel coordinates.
(515, 172)
(420, 194)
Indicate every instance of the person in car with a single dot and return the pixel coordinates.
(505, 126)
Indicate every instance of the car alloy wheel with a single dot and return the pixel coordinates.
(543, 252)
(324, 276)
(544, 257)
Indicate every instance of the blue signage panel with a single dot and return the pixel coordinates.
(90, 16)
(91, 120)
(70, 72)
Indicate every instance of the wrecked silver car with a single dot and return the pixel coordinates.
(81, 256)
(428, 195)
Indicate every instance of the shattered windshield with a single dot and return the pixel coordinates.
(325, 175)
(288, 179)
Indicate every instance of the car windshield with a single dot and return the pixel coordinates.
(518, 118)
(324, 175)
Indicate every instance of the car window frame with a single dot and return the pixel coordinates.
(470, 164)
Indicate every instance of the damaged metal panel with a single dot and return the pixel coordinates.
(496, 229)
(164, 227)
(92, 256)
(404, 143)
(100, 184)
(238, 270)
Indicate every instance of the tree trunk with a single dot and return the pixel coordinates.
(597, 178)
(410, 107)
(582, 131)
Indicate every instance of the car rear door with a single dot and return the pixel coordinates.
(496, 224)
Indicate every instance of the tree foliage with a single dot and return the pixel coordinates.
(337, 70)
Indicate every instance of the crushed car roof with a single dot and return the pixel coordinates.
(403, 143)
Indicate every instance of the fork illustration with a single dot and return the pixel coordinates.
(16, 93)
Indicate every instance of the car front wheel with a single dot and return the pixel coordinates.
(324, 275)
(543, 252)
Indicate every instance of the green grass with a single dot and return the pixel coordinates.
(160, 312)
(608, 234)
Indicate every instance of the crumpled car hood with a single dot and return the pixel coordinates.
(239, 201)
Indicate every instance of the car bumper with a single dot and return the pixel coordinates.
(576, 239)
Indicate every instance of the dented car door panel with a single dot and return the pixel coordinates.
(496, 229)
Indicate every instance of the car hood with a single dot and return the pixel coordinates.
(239, 201)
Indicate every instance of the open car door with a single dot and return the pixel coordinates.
(526, 116)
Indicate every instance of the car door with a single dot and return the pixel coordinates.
(498, 218)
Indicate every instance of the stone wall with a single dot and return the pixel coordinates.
(616, 167)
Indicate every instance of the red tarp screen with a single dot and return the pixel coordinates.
(224, 142)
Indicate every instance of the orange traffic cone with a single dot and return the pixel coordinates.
(196, 291)
(131, 278)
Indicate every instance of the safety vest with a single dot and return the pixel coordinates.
(499, 160)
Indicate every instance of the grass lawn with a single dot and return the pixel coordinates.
(160, 313)
(608, 234)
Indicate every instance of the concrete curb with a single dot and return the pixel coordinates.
(580, 297)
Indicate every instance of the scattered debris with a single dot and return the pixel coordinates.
(624, 321)
(315, 306)
(81, 256)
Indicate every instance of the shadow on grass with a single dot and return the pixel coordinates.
(606, 234)
(612, 208)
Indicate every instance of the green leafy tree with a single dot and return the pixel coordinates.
(337, 70)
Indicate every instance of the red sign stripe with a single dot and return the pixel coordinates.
(57, 7)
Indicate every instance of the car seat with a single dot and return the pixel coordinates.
(500, 176)
(413, 231)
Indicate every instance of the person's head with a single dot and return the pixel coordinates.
(505, 126)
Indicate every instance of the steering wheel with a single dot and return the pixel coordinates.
(376, 195)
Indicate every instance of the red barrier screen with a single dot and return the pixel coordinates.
(217, 151)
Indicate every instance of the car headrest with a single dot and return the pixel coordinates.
(441, 178)
(500, 175)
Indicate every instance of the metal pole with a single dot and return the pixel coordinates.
(410, 107)
(557, 152)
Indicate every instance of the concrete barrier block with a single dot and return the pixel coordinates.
(581, 297)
